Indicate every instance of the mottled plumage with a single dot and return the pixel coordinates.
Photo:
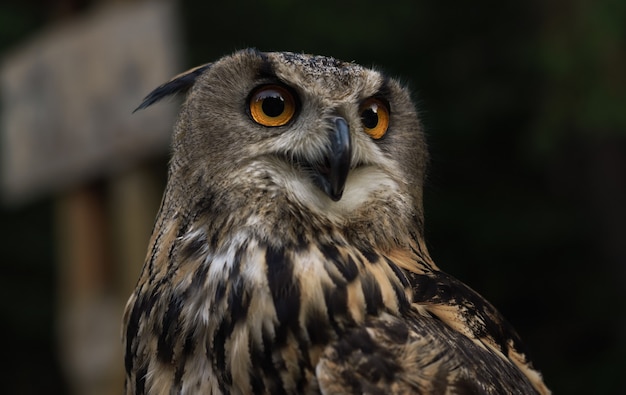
(288, 255)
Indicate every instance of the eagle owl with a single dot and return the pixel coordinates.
(288, 255)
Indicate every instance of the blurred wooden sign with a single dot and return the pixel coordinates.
(68, 96)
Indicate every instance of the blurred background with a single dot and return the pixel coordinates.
(524, 104)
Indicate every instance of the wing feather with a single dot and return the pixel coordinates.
(414, 354)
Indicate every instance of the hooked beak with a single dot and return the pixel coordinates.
(331, 175)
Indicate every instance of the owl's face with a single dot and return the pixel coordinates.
(330, 137)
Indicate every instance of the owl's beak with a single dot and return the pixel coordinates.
(334, 173)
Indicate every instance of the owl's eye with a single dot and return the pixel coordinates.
(375, 117)
(272, 105)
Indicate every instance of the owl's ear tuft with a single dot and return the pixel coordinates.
(179, 84)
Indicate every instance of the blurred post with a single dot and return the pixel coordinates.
(89, 310)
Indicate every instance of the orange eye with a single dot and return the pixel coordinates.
(272, 105)
(375, 117)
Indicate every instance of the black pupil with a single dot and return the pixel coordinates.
(273, 105)
(369, 118)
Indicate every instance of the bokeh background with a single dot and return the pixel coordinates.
(524, 104)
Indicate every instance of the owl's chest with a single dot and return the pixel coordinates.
(266, 313)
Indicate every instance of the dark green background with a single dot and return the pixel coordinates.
(524, 105)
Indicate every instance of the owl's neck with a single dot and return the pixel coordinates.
(287, 211)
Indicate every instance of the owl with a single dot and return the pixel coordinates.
(288, 255)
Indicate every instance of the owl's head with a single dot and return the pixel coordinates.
(337, 140)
